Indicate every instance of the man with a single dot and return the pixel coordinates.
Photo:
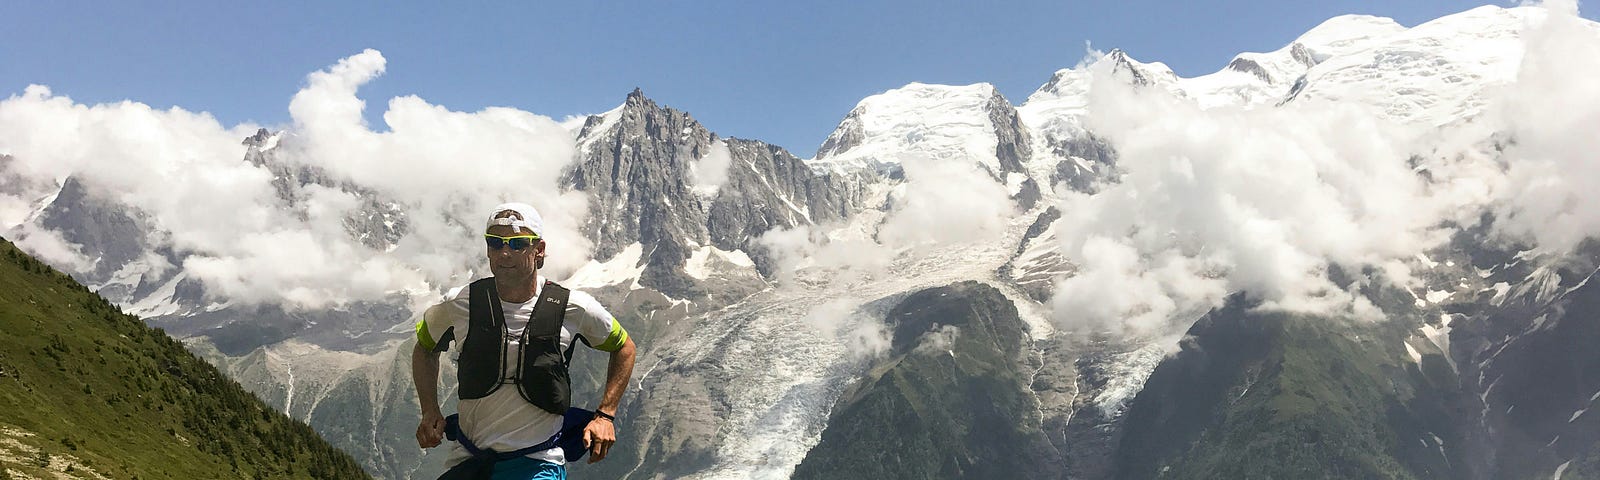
(512, 361)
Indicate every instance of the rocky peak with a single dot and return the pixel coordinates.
(109, 231)
(1301, 54)
(635, 165)
(846, 136)
(259, 139)
(637, 95)
(1122, 66)
(929, 121)
(1012, 143)
(1052, 87)
(1245, 65)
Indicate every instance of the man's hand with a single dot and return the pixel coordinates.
(598, 437)
(430, 430)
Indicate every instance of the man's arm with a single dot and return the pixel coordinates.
(601, 433)
(425, 374)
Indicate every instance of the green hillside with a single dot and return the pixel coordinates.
(1274, 395)
(953, 409)
(90, 392)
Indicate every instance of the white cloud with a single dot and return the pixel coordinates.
(824, 254)
(48, 245)
(1266, 201)
(937, 341)
(1552, 112)
(944, 202)
(1223, 200)
(444, 168)
(706, 175)
(863, 337)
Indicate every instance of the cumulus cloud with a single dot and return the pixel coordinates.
(1215, 201)
(1267, 201)
(1552, 113)
(945, 202)
(448, 167)
(49, 246)
(818, 255)
(444, 169)
(707, 174)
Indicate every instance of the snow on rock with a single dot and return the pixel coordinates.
(1560, 470)
(589, 129)
(1130, 370)
(1058, 107)
(624, 267)
(1434, 73)
(271, 142)
(1436, 296)
(163, 301)
(1440, 337)
(915, 122)
(703, 263)
(1255, 79)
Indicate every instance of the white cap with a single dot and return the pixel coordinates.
(530, 218)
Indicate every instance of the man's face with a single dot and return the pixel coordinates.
(507, 263)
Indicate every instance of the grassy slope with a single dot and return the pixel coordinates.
(87, 388)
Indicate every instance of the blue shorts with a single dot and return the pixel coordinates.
(524, 468)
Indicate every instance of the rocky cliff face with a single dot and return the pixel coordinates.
(1523, 355)
(636, 162)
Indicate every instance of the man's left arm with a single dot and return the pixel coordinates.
(601, 432)
(596, 322)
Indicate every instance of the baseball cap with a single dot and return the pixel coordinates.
(531, 221)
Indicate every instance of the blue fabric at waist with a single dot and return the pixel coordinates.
(524, 468)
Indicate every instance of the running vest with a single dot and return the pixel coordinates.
(541, 375)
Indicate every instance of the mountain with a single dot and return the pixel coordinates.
(951, 399)
(1394, 399)
(849, 314)
(92, 392)
(635, 162)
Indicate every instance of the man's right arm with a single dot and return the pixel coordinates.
(436, 323)
(425, 374)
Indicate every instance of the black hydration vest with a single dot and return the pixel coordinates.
(541, 375)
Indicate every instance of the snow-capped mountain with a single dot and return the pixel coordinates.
(910, 278)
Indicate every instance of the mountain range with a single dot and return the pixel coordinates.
(1317, 261)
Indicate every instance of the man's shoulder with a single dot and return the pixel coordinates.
(581, 300)
(575, 295)
(464, 291)
(460, 293)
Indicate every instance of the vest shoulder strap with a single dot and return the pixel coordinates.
(550, 311)
(482, 288)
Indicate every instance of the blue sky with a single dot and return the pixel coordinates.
(780, 72)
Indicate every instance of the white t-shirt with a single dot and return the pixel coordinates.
(504, 421)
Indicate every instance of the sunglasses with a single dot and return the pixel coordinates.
(516, 243)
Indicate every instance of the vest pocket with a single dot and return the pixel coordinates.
(545, 382)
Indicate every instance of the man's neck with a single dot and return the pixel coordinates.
(516, 290)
